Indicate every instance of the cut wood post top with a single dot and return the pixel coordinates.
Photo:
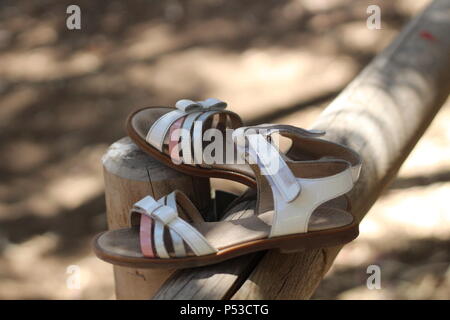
(126, 160)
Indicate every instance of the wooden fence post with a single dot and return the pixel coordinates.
(129, 175)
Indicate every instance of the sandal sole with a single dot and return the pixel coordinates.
(285, 244)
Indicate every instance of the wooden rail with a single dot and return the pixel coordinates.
(381, 114)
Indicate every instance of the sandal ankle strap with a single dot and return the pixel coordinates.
(341, 151)
(294, 198)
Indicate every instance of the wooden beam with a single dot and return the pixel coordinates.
(382, 114)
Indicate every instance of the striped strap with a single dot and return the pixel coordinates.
(188, 117)
(165, 215)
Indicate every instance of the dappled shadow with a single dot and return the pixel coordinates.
(72, 227)
(420, 180)
(64, 95)
(421, 263)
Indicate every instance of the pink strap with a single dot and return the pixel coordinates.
(174, 139)
(145, 235)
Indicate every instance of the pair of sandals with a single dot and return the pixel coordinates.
(300, 195)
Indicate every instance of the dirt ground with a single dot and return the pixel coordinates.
(64, 95)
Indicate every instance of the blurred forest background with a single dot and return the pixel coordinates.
(64, 96)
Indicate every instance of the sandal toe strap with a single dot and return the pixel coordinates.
(189, 117)
(164, 215)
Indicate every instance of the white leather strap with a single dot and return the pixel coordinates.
(199, 245)
(268, 130)
(273, 167)
(293, 217)
(146, 205)
(157, 133)
(186, 144)
(177, 241)
(270, 162)
(158, 240)
(165, 214)
(197, 132)
(192, 110)
(356, 170)
(187, 105)
(295, 199)
(180, 230)
(213, 103)
(158, 235)
(197, 136)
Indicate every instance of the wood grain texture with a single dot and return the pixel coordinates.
(218, 281)
(381, 114)
(129, 176)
